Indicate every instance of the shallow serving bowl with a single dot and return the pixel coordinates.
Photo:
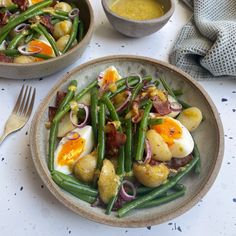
(48, 67)
(138, 28)
(209, 138)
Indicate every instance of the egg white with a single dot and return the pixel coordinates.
(184, 145)
(85, 133)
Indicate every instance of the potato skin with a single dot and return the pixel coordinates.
(62, 28)
(190, 118)
(160, 150)
(151, 176)
(84, 168)
(61, 42)
(23, 59)
(63, 6)
(108, 182)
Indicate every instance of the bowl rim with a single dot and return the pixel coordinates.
(167, 15)
(56, 191)
(61, 57)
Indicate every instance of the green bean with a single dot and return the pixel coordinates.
(178, 92)
(29, 13)
(29, 38)
(43, 31)
(94, 112)
(167, 88)
(62, 13)
(9, 8)
(70, 94)
(16, 40)
(179, 187)
(60, 114)
(72, 189)
(73, 34)
(10, 52)
(157, 83)
(172, 181)
(43, 56)
(128, 146)
(143, 103)
(3, 36)
(55, 21)
(163, 200)
(111, 204)
(184, 104)
(135, 92)
(155, 121)
(101, 135)
(196, 154)
(142, 132)
(81, 31)
(52, 145)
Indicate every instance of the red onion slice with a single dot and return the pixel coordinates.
(24, 50)
(175, 106)
(86, 109)
(73, 136)
(124, 195)
(148, 86)
(127, 81)
(125, 103)
(148, 152)
(73, 13)
(19, 28)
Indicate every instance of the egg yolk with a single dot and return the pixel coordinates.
(45, 49)
(35, 1)
(110, 76)
(70, 152)
(169, 130)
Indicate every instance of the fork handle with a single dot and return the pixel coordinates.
(3, 137)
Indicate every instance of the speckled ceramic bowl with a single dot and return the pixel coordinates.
(209, 137)
(48, 67)
(138, 28)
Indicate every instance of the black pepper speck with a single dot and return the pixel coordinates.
(69, 232)
(2, 159)
(234, 199)
(179, 229)
(224, 100)
(234, 110)
(149, 227)
(21, 188)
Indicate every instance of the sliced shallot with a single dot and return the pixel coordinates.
(124, 195)
(148, 152)
(73, 13)
(127, 81)
(19, 28)
(125, 103)
(24, 50)
(86, 109)
(73, 136)
(175, 106)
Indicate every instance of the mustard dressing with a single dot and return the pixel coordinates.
(138, 9)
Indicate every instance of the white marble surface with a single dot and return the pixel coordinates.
(28, 208)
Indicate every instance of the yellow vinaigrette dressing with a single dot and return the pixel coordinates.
(138, 9)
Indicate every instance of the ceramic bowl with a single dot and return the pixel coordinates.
(210, 130)
(137, 28)
(48, 67)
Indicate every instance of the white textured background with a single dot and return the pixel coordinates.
(27, 207)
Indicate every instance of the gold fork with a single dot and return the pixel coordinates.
(21, 112)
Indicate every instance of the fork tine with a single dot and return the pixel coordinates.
(23, 101)
(31, 104)
(16, 107)
(26, 107)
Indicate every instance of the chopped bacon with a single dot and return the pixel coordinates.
(162, 107)
(22, 4)
(176, 163)
(46, 21)
(59, 97)
(4, 17)
(114, 139)
(51, 113)
(4, 58)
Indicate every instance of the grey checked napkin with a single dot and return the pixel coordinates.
(206, 46)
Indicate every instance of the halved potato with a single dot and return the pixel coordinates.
(65, 125)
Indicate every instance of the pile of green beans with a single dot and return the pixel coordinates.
(102, 109)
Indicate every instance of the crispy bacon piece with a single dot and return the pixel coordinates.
(51, 113)
(4, 58)
(59, 97)
(4, 17)
(114, 139)
(46, 21)
(176, 163)
(22, 4)
(162, 107)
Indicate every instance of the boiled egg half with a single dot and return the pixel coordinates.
(176, 136)
(78, 143)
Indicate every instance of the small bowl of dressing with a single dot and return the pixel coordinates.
(138, 18)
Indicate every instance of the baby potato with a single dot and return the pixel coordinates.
(63, 6)
(62, 28)
(24, 59)
(108, 182)
(190, 118)
(151, 176)
(160, 149)
(84, 168)
(62, 41)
